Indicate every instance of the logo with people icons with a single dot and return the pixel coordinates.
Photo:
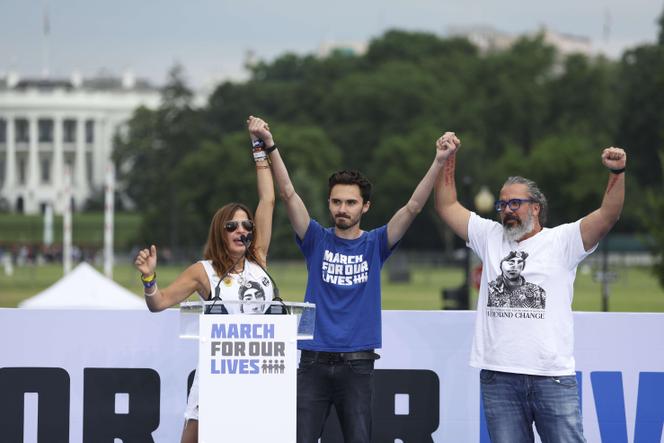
(246, 349)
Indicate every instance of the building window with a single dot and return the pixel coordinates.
(45, 131)
(3, 131)
(21, 171)
(22, 131)
(2, 172)
(89, 131)
(69, 131)
(45, 170)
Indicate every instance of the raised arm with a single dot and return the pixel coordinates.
(297, 212)
(258, 129)
(598, 223)
(191, 280)
(447, 206)
(402, 219)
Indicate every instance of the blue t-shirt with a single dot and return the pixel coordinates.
(344, 283)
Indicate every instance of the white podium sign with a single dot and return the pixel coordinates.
(248, 374)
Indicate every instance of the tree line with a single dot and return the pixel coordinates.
(526, 110)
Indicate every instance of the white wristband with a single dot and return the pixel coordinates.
(151, 294)
(259, 155)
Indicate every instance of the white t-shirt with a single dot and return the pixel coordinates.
(524, 319)
(252, 284)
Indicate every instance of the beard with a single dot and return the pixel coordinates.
(344, 223)
(513, 232)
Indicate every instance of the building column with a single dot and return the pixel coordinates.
(79, 182)
(99, 152)
(10, 161)
(58, 156)
(33, 166)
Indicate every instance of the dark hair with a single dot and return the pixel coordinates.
(534, 193)
(518, 254)
(351, 177)
(216, 248)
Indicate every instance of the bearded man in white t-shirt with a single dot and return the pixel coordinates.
(524, 336)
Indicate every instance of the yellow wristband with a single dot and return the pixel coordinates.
(148, 279)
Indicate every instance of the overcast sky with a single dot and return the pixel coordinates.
(211, 37)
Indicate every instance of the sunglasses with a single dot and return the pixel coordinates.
(514, 204)
(232, 226)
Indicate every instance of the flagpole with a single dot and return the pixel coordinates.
(46, 30)
(108, 220)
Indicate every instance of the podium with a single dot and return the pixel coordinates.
(247, 367)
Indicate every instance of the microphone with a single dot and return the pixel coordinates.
(246, 241)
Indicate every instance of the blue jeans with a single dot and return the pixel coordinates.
(512, 402)
(348, 385)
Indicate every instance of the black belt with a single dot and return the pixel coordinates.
(332, 357)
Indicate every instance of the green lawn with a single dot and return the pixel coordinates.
(636, 290)
(87, 229)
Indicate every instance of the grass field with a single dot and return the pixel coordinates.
(88, 229)
(636, 290)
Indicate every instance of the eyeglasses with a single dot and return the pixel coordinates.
(232, 225)
(514, 204)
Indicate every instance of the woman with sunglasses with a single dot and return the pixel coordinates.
(235, 250)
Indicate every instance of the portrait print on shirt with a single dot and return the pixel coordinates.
(511, 290)
(252, 290)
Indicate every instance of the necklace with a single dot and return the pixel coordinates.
(240, 276)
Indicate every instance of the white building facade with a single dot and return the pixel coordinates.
(489, 39)
(51, 127)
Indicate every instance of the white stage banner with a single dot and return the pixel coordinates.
(111, 376)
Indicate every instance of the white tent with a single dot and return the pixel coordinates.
(84, 288)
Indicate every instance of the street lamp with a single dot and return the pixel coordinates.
(459, 298)
(484, 201)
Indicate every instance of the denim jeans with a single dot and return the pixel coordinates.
(348, 385)
(512, 402)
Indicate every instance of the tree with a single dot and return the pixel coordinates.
(362, 108)
(148, 155)
(512, 86)
(222, 171)
(641, 121)
(652, 217)
(583, 100)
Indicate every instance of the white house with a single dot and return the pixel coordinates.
(48, 126)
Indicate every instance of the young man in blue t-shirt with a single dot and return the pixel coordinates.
(343, 264)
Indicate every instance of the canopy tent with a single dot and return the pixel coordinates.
(84, 288)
